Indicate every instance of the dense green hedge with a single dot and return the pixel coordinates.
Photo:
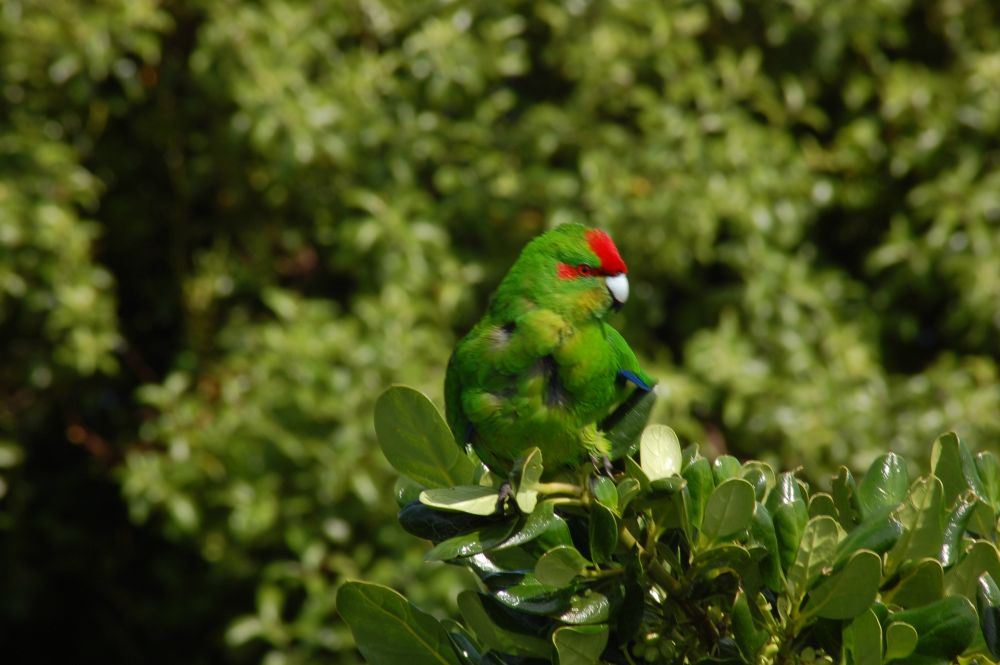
(225, 225)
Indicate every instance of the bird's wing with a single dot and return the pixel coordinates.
(628, 364)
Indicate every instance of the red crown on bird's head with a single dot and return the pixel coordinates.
(602, 245)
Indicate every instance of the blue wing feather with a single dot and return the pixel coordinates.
(634, 378)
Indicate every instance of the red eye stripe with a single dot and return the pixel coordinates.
(602, 245)
(566, 271)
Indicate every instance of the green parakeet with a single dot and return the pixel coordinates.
(542, 367)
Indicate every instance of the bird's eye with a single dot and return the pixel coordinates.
(584, 269)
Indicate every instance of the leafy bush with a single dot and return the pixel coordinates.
(679, 559)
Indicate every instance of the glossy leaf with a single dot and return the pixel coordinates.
(988, 469)
(416, 440)
(729, 510)
(389, 630)
(471, 543)
(628, 489)
(495, 636)
(586, 608)
(472, 499)
(863, 639)
(438, 525)
(945, 627)
(845, 497)
(850, 592)
(560, 565)
(725, 467)
(760, 475)
(750, 637)
(816, 551)
(542, 523)
(603, 533)
(762, 534)
(922, 517)
(963, 577)
(900, 640)
(789, 513)
(878, 534)
(526, 480)
(921, 584)
(659, 452)
(954, 465)
(698, 477)
(988, 607)
(955, 526)
(884, 486)
(821, 503)
(605, 491)
(580, 645)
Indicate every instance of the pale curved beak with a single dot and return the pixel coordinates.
(618, 286)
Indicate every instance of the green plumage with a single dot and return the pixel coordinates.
(542, 368)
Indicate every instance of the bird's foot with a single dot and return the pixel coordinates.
(505, 494)
(602, 464)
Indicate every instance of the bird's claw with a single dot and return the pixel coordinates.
(505, 494)
(602, 464)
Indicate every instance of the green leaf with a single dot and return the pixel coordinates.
(528, 471)
(922, 517)
(624, 427)
(863, 639)
(605, 491)
(762, 534)
(749, 637)
(845, 498)
(389, 630)
(634, 471)
(438, 525)
(531, 596)
(988, 469)
(988, 606)
(821, 503)
(725, 467)
(416, 440)
(962, 578)
(954, 528)
(760, 475)
(923, 583)
(900, 640)
(471, 543)
(954, 465)
(580, 645)
(544, 524)
(586, 608)
(850, 592)
(945, 627)
(406, 491)
(659, 452)
(698, 476)
(472, 499)
(878, 534)
(729, 510)
(721, 558)
(789, 513)
(816, 551)
(560, 566)
(603, 533)
(628, 489)
(495, 636)
(884, 486)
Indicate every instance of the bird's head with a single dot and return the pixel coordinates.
(573, 270)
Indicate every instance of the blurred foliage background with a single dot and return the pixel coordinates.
(226, 226)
